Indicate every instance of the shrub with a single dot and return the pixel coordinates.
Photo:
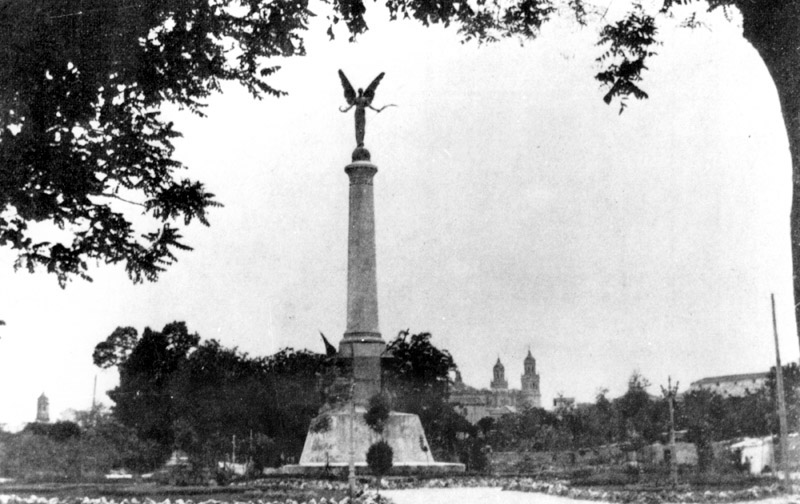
(379, 458)
(320, 424)
(378, 412)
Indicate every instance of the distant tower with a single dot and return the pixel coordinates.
(499, 382)
(530, 383)
(43, 409)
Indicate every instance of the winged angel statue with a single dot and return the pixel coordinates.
(361, 102)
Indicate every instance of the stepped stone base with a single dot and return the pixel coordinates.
(340, 471)
(327, 446)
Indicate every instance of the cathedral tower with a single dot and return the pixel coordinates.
(499, 381)
(43, 409)
(530, 383)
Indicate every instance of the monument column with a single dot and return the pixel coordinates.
(362, 340)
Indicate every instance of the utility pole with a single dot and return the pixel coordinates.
(233, 450)
(669, 394)
(93, 411)
(781, 404)
(351, 474)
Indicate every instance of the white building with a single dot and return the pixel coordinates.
(732, 385)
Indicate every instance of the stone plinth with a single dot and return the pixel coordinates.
(328, 444)
(434, 469)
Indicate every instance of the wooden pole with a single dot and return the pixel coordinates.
(673, 455)
(669, 393)
(781, 403)
(233, 449)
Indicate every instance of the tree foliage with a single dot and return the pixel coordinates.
(83, 145)
(377, 412)
(144, 398)
(416, 375)
(82, 141)
(416, 370)
(89, 447)
(379, 458)
(636, 418)
(179, 392)
(60, 431)
(791, 391)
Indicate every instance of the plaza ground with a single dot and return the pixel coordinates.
(498, 496)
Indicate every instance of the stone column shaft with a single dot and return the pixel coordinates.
(362, 340)
(362, 281)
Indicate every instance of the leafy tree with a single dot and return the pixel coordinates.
(602, 420)
(708, 417)
(295, 396)
(642, 420)
(703, 415)
(221, 393)
(177, 392)
(486, 424)
(751, 414)
(59, 431)
(473, 454)
(83, 146)
(28, 455)
(416, 375)
(90, 446)
(791, 390)
(143, 399)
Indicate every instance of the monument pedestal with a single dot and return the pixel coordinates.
(327, 446)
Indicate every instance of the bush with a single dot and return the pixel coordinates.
(378, 412)
(581, 473)
(379, 458)
(473, 455)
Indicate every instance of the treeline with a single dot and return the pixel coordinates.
(177, 392)
(639, 417)
(88, 446)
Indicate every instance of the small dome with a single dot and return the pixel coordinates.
(499, 364)
(529, 358)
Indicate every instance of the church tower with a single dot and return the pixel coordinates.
(530, 383)
(499, 381)
(43, 409)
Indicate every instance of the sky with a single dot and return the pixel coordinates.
(515, 211)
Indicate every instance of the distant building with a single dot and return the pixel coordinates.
(498, 400)
(43, 409)
(731, 385)
(562, 403)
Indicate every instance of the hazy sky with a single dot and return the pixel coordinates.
(514, 210)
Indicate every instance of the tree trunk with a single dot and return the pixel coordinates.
(773, 28)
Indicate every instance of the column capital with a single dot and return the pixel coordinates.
(361, 172)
